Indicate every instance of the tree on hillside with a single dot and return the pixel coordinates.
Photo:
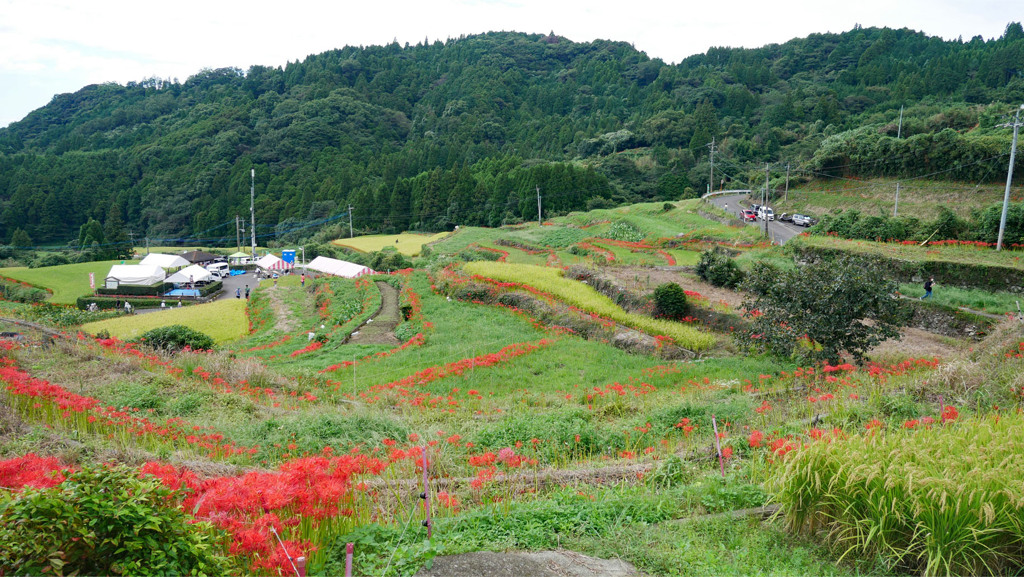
(20, 239)
(705, 121)
(819, 311)
(118, 245)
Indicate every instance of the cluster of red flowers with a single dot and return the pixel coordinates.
(276, 343)
(606, 253)
(313, 346)
(86, 413)
(503, 253)
(414, 341)
(434, 373)
(33, 471)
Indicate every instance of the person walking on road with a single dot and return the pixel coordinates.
(238, 292)
(246, 292)
(928, 284)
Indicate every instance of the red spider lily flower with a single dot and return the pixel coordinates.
(755, 439)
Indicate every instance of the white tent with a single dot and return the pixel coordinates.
(272, 262)
(191, 273)
(337, 267)
(164, 261)
(134, 274)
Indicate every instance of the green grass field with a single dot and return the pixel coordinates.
(406, 243)
(915, 252)
(68, 281)
(876, 197)
(224, 321)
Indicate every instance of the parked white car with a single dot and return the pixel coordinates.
(219, 270)
(801, 220)
(765, 213)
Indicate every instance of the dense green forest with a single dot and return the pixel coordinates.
(466, 131)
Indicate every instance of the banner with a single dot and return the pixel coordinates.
(92, 280)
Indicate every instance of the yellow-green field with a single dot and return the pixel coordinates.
(67, 281)
(223, 321)
(406, 243)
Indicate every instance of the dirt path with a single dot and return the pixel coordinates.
(284, 321)
(380, 329)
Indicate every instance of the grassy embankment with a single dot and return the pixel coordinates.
(407, 243)
(68, 281)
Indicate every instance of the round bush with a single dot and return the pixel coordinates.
(670, 301)
(718, 269)
(175, 338)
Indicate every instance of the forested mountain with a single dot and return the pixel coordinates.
(430, 136)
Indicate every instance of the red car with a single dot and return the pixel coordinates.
(748, 215)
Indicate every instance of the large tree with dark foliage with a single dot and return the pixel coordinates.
(820, 311)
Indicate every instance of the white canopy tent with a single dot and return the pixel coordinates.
(191, 273)
(164, 261)
(337, 267)
(134, 274)
(272, 262)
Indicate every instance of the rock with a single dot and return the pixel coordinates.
(560, 563)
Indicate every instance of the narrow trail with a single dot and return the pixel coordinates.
(380, 328)
(284, 322)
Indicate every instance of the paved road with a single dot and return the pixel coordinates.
(779, 232)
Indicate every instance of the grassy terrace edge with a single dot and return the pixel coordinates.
(577, 294)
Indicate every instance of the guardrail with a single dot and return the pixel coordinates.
(721, 192)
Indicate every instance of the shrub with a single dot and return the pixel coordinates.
(718, 269)
(670, 301)
(104, 521)
(176, 337)
(623, 230)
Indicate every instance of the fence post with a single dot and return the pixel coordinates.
(718, 446)
(300, 566)
(348, 559)
(426, 495)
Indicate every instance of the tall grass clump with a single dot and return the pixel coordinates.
(944, 500)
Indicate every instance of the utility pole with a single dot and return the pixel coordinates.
(147, 246)
(1009, 179)
(238, 236)
(350, 233)
(899, 128)
(765, 201)
(252, 211)
(897, 205)
(787, 182)
(539, 223)
(711, 177)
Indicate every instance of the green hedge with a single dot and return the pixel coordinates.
(958, 274)
(155, 290)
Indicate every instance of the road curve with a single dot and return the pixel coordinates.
(778, 232)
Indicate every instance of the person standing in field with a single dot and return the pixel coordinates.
(928, 284)
(302, 280)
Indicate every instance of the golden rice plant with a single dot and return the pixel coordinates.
(946, 500)
(582, 296)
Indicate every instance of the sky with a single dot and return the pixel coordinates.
(50, 47)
